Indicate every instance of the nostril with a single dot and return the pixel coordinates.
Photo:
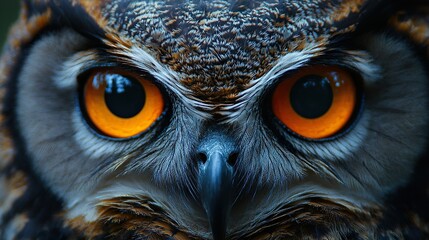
(201, 157)
(232, 159)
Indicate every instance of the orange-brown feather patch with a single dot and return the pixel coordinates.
(123, 215)
(93, 8)
(346, 8)
(413, 24)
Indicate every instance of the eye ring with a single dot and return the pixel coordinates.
(327, 103)
(119, 104)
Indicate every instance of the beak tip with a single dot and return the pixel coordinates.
(218, 224)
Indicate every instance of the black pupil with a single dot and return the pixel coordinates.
(311, 96)
(125, 97)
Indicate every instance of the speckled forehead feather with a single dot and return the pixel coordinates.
(220, 46)
(217, 47)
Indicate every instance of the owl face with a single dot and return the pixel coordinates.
(218, 120)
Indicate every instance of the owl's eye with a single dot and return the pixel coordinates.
(120, 104)
(317, 102)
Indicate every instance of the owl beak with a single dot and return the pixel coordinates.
(215, 187)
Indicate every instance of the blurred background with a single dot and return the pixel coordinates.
(9, 10)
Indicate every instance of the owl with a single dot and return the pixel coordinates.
(226, 119)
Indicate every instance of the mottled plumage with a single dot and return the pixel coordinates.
(216, 64)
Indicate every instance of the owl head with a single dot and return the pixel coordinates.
(215, 120)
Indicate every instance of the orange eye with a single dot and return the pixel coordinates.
(317, 102)
(120, 104)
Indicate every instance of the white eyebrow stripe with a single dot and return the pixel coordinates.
(363, 63)
(248, 98)
(66, 76)
(360, 61)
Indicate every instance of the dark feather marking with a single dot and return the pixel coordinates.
(374, 159)
(391, 138)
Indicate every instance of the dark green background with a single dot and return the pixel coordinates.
(9, 10)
